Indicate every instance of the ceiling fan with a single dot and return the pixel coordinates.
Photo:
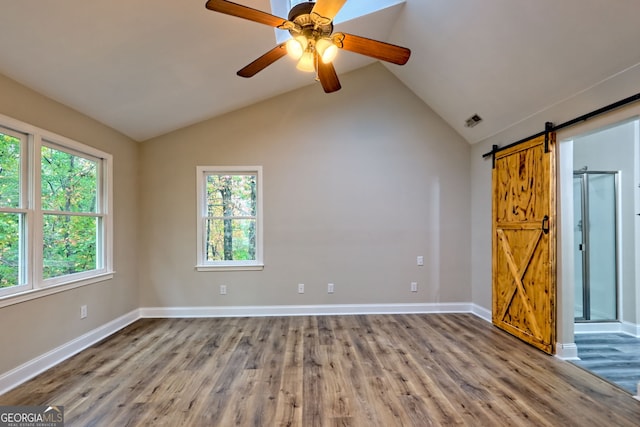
(313, 43)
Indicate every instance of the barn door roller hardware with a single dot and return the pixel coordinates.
(549, 127)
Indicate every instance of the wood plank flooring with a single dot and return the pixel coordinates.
(373, 370)
(613, 356)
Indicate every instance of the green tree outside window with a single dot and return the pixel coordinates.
(231, 217)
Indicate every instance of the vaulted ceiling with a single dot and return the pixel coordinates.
(147, 67)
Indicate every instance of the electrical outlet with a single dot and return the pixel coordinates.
(414, 286)
(330, 288)
(83, 311)
(420, 260)
(223, 289)
(301, 288)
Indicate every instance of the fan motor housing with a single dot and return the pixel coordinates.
(311, 25)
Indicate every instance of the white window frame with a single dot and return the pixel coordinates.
(202, 264)
(36, 286)
(25, 274)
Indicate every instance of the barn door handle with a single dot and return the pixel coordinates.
(545, 224)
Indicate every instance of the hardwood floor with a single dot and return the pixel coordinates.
(374, 370)
(613, 356)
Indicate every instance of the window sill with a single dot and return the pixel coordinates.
(31, 294)
(247, 267)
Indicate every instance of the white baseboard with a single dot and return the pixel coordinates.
(305, 310)
(631, 329)
(567, 351)
(607, 327)
(30, 369)
(481, 312)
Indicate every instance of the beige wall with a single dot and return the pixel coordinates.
(33, 328)
(356, 184)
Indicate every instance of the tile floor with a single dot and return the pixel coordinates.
(613, 356)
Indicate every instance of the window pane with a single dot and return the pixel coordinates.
(69, 244)
(230, 239)
(231, 195)
(69, 182)
(9, 171)
(10, 250)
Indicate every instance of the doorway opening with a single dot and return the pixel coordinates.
(599, 267)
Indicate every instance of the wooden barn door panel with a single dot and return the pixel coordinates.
(524, 242)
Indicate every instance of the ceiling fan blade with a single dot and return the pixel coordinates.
(328, 77)
(328, 9)
(373, 48)
(264, 61)
(246, 12)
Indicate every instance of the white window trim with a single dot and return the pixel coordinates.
(36, 287)
(201, 263)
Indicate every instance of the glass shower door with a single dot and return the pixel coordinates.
(596, 244)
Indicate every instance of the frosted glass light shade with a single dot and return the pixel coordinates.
(306, 62)
(296, 46)
(327, 50)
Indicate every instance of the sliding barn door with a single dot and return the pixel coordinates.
(524, 242)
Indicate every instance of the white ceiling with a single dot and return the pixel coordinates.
(147, 67)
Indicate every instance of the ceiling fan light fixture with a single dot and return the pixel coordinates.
(296, 46)
(307, 62)
(313, 44)
(326, 49)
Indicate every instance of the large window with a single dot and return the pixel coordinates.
(55, 226)
(71, 216)
(229, 217)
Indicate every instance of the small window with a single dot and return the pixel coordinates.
(229, 217)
